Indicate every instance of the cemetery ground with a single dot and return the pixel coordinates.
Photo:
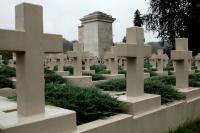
(98, 101)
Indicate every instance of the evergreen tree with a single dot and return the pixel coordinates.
(138, 20)
(124, 40)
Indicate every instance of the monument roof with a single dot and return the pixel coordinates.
(97, 16)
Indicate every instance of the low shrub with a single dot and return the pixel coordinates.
(7, 71)
(5, 82)
(52, 77)
(151, 85)
(98, 68)
(112, 85)
(168, 92)
(96, 77)
(55, 68)
(89, 103)
(70, 69)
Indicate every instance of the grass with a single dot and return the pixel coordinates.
(188, 127)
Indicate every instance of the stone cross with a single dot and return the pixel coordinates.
(181, 56)
(166, 60)
(113, 60)
(135, 51)
(190, 64)
(152, 60)
(30, 43)
(76, 54)
(160, 58)
(197, 58)
(174, 65)
(60, 61)
(88, 57)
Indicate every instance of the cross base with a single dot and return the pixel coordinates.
(79, 80)
(54, 120)
(146, 75)
(63, 73)
(113, 76)
(88, 72)
(161, 73)
(140, 104)
(190, 92)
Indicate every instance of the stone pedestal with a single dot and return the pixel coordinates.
(146, 75)
(88, 72)
(190, 92)
(191, 71)
(53, 120)
(79, 80)
(161, 73)
(113, 76)
(63, 73)
(7, 92)
(140, 104)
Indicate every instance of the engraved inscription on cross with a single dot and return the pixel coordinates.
(135, 51)
(30, 43)
(181, 56)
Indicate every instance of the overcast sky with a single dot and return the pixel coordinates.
(62, 16)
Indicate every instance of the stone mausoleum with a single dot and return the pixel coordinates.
(96, 34)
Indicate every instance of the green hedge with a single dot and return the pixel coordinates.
(99, 69)
(5, 82)
(151, 85)
(89, 103)
(70, 69)
(7, 71)
(168, 92)
(112, 85)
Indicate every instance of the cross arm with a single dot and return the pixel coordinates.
(181, 55)
(147, 51)
(53, 43)
(12, 40)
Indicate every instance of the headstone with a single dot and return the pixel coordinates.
(166, 60)
(152, 61)
(181, 56)
(134, 51)
(160, 58)
(112, 60)
(76, 54)
(30, 43)
(29, 114)
(96, 34)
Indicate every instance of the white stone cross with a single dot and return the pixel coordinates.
(160, 57)
(112, 58)
(181, 56)
(152, 60)
(30, 43)
(76, 54)
(88, 57)
(135, 51)
(166, 60)
(197, 59)
(60, 61)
